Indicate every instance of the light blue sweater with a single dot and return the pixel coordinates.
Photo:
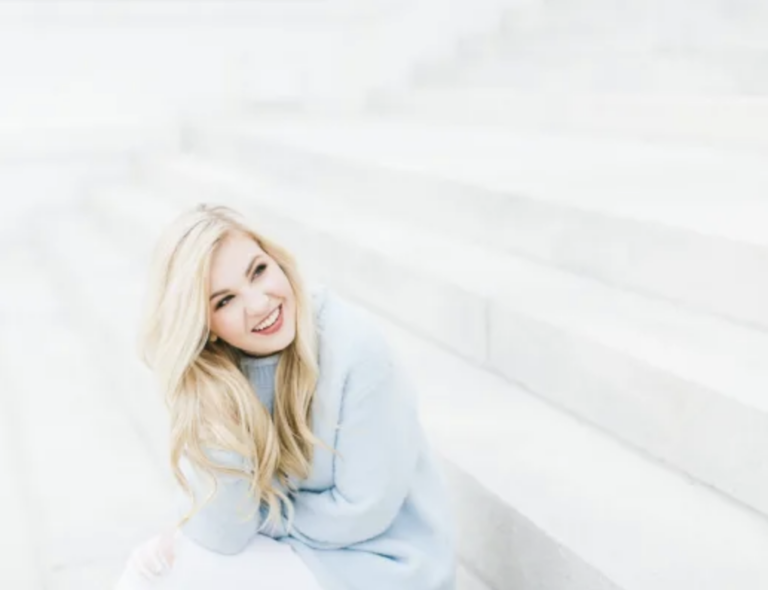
(376, 514)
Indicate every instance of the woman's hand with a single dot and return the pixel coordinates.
(154, 558)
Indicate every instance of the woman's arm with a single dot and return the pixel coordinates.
(378, 445)
(222, 524)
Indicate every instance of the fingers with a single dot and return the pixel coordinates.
(152, 559)
(166, 548)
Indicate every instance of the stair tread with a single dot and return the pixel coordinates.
(63, 414)
(639, 523)
(703, 189)
(17, 543)
(736, 122)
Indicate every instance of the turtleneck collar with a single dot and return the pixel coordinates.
(260, 361)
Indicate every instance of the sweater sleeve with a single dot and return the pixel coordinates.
(377, 448)
(231, 517)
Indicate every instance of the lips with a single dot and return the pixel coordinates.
(276, 322)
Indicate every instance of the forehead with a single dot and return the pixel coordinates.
(231, 257)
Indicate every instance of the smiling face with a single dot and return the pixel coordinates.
(252, 305)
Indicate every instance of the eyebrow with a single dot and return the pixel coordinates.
(247, 274)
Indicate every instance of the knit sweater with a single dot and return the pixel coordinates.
(375, 513)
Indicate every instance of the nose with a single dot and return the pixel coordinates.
(256, 302)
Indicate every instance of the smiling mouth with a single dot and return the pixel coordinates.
(276, 319)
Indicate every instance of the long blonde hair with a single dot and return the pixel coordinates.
(211, 402)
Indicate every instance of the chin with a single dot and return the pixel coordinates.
(280, 342)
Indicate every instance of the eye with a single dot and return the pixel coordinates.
(223, 302)
(261, 266)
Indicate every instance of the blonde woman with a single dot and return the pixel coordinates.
(294, 431)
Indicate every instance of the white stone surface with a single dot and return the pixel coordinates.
(100, 75)
(85, 61)
(553, 492)
(638, 46)
(654, 183)
(17, 536)
(90, 489)
(466, 580)
(84, 268)
(732, 121)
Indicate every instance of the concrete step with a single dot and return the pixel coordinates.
(20, 569)
(544, 500)
(110, 324)
(466, 579)
(720, 122)
(677, 222)
(18, 540)
(618, 71)
(686, 388)
(90, 487)
(533, 486)
(633, 47)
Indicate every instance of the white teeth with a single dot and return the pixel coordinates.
(270, 321)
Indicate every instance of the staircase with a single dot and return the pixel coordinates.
(580, 300)
(596, 434)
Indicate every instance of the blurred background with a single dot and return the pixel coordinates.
(556, 209)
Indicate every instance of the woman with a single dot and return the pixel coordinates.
(294, 430)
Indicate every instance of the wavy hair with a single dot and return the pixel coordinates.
(210, 401)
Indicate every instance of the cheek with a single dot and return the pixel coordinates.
(291, 305)
(285, 287)
(292, 313)
(225, 322)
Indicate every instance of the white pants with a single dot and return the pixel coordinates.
(265, 564)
